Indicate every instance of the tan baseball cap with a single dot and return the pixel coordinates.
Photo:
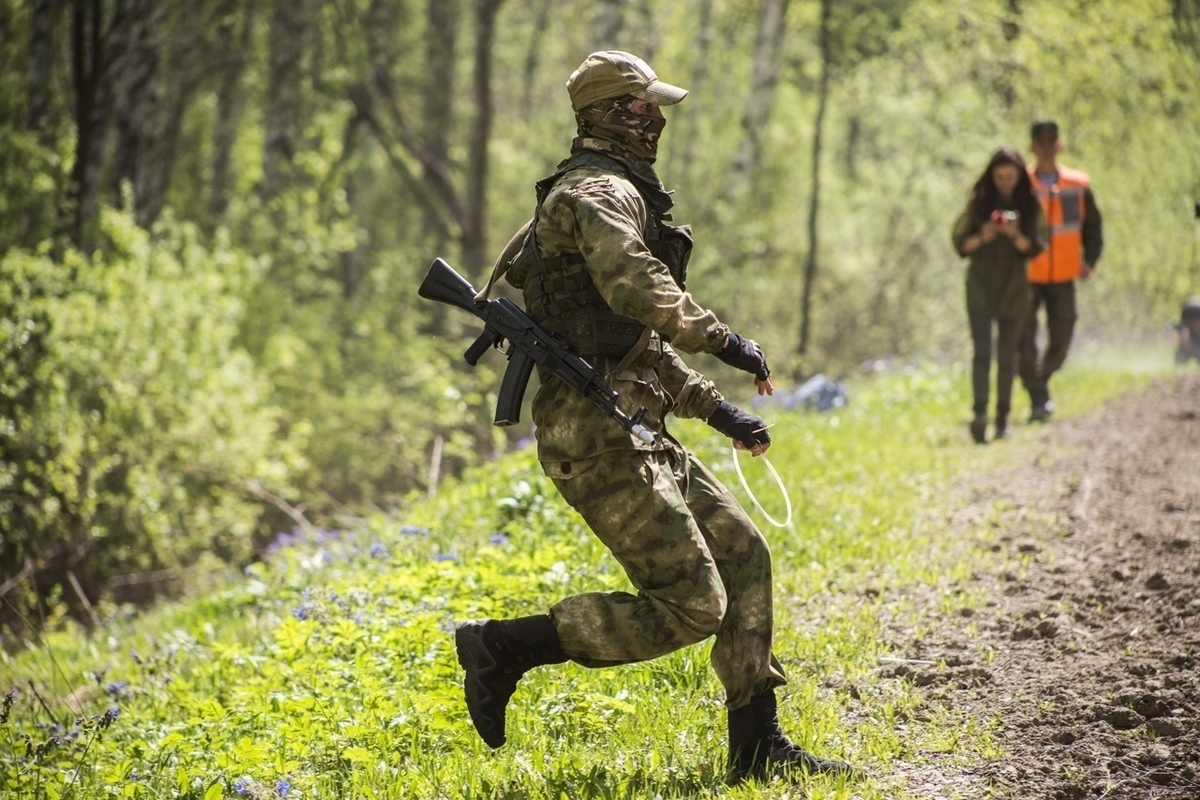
(612, 73)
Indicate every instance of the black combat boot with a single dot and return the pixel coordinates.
(496, 653)
(758, 748)
(1001, 426)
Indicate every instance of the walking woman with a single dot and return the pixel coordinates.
(1000, 229)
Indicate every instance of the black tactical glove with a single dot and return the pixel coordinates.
(746, 355)
(747, 429)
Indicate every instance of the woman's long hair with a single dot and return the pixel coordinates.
(985, 198)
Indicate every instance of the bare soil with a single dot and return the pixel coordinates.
(1088, 650)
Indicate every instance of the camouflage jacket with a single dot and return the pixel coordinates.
(602, 215)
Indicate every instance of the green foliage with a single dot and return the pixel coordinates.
(331, 667)
(130, 426)
(362, 383)
(357, 373)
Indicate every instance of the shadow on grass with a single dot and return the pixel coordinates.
(612, 783)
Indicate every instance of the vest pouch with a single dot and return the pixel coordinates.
(569, 470)
(672, 245)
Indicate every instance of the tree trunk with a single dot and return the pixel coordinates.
(284, 112)
(137, 99)
(533, 52)
(764, 77)
(44, 21)
(440, 56)
(474, 238)
(230, 100)
(380, 106)
(814, 203)
(90, 80)
(1186, 14)
(610, 22)
(354, 262)
(695, 88)
(158, 60)
(42, 56)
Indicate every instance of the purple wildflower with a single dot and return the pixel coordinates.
(414, 530)
(109, 717)
(282, 787)
(379, 550)
(301, 612)
(498, 539)
(242, 787)
(449, 556)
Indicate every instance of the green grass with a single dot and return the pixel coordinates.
(331, 665)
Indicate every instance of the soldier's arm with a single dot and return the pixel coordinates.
(609, 219)
(692, 396)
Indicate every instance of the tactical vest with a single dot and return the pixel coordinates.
(559, 292)
(1064, 206)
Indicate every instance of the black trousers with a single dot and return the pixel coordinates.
(1059, 301)
(1008, 331)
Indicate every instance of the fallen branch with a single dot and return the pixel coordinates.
(87, 604)
(19, 578)
(292, 511)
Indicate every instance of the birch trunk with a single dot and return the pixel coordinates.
(814, 203)
(764, 77)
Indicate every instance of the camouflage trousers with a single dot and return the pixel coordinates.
(699, 565)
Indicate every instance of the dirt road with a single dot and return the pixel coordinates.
(1089, 649)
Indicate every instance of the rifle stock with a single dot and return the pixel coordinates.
(444, 285)
(529, 344)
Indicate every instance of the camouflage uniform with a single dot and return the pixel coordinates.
(600, 267)
(698, 563)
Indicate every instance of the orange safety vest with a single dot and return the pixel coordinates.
(1063, 205)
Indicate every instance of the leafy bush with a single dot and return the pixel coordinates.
(130, 427)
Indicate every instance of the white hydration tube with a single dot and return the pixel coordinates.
(778, 481)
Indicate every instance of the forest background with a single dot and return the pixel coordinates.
(214, 216)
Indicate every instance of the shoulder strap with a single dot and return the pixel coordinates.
(526, 231)
(505, 259)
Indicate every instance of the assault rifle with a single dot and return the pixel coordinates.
(528, 344)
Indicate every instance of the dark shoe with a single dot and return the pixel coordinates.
(495, 654)
(758, 748)
(1001, 428)
(1041, 413)
(979, 429)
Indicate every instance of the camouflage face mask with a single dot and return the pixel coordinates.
(612, 122)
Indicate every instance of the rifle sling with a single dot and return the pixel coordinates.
(504, 260)
(635, 351)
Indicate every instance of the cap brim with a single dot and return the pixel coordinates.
(659, 93)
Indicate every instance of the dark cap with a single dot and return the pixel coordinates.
(1191, 308)
(1045, 127)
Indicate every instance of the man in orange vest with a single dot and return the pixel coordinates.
(1076, 240)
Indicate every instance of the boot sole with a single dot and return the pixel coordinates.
(804, 765)
(476, 661)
